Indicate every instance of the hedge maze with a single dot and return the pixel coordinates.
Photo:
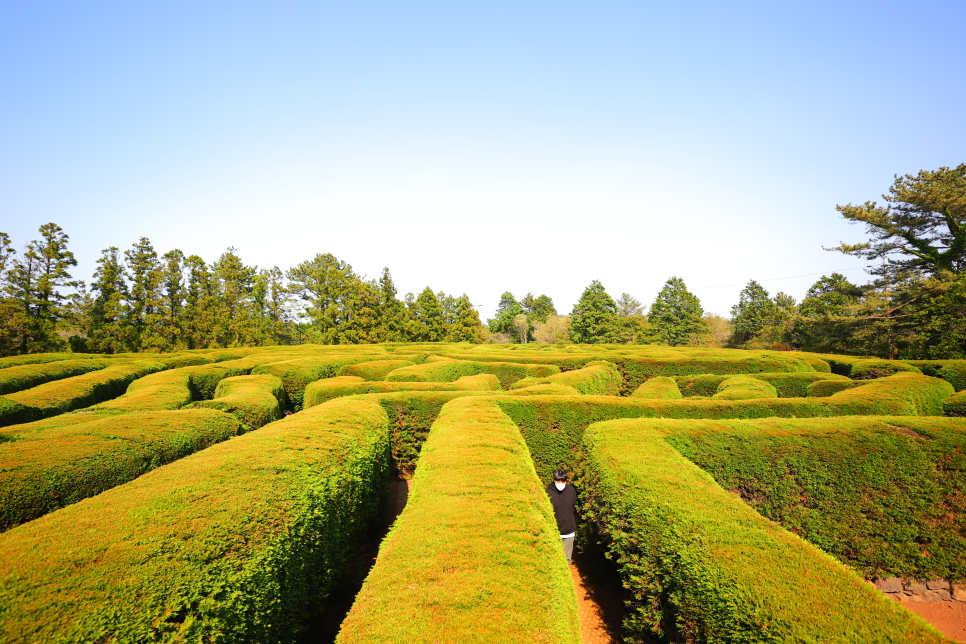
(221, 495)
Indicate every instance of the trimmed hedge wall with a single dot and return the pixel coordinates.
(61, 396)
(322, 390)
(870, 369)
(297, 373)
(42, 358)
(599, 378)
(254, 400)
(240, 542)
(23, 377)
(46, 468)
(744, 388)
(658, 388)
(448, 370)
(373, 370)
(553, 426)
(699, 565)
(476, 549)
(883, 494)
(787, 385)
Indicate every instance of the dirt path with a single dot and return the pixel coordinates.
(948, 617)
(599, 599)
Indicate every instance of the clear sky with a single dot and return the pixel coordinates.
(478, 147)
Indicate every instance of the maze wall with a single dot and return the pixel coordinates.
(221, 495)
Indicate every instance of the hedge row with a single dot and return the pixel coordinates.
(42, 358)
(883, 494)
(955, 405)
(787, 385)
(254, 400)
(904, 394)
(698, 564)
(322, 390)
(447, 370)
(744, 388)
(952, 371)
(297, 373)
(46, 468)
(61, 396)
(172, 389)
(240, 542)
(374, 369)
(23, 377)
(476, 550)
(599, 378)
(659, 388)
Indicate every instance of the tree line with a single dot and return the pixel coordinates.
(140, 301)
(914, 307)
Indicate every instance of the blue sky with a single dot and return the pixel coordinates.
(478, 147)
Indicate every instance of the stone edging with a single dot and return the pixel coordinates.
(915, 590)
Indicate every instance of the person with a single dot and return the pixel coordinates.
(563, 498)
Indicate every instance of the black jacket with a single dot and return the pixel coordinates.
(563, 507)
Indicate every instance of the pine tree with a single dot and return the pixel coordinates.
(108, 330)
(145, 299)
(466, 326)
(392, 312)
(234, 323)
(11, 318)
(200, 304)
(506, 311)
(753, 313)
(173, 289)
(426, 318)
(676, 314)
(593, 318)
(34, 284)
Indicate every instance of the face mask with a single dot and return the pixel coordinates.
(560, 486)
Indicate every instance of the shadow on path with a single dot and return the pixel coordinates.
(600, 597)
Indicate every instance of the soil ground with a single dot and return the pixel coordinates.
(949, 618)
(600, 599)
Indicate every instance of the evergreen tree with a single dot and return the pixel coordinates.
(324, 284)
(392, 312)
(34, 284)
(426, 318)
(466, 326)
(270, 301)
(594, 316)
(234, 322)
(11, 318)
(506, 310)
(676, 314)
(108, 331)
(145, 299)
(754, 312)
(173, 290)
(200, 304)
(827, 315)
(628, 305)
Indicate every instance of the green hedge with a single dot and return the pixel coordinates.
(553, 425)
(15, 379)
(42, 358)
(952, 371)
(174, 388)
(870, 369)
(321, 391)
(254, 400)
(744, 388)
(786, 384)
(882, 494)
(599, 378)
(240, 542)
(373, 370)
(297, 373)
(955, 405)
(699, 565)
(824, 388)
(61, 396)
(658, 388)
(12, 413)
(476, 549)
(46, 468)
(448, 370)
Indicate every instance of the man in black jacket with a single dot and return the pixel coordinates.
(563, 497)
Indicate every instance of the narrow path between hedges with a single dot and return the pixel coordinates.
(949, 618)
(600, 601)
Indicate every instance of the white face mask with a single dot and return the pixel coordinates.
(560, 486)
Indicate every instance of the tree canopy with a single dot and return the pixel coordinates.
(921, 227)
(676, 313)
